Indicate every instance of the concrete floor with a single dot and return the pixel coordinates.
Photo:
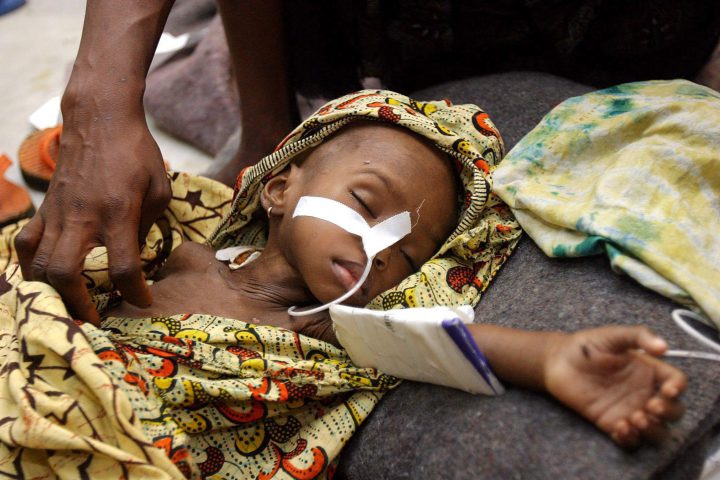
(38, 44)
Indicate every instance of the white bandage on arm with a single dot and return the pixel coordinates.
(413, 344)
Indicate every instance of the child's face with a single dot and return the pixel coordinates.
(378, 171)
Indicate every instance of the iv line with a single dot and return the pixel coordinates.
(677, 315)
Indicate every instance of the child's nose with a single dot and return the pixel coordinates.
(382, 259)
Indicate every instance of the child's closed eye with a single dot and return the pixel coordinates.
(363, 204)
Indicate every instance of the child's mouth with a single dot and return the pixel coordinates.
(348, 273)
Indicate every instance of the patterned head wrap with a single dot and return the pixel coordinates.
(486, 232)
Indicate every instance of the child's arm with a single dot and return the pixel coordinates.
(600, 373)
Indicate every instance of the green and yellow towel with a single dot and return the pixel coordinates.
(632, 171)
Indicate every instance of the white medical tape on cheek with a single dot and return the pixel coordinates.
(333, 212)
(374, 239)
(386, 233)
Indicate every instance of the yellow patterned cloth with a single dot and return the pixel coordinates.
(632, 171)
(204, 396)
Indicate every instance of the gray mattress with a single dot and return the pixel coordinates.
(426, 431)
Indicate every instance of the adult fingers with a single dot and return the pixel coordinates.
(125, 267)
(44, 252)
(64, 272)
(154, 204)
(27, 242)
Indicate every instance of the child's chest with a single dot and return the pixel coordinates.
(192, 281)
(189, 282)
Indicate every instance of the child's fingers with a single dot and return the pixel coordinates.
(667, 410)
(648, 425)
(624, 434)
(673, 387)
(640, 420)
(650, 342)
(672, 381)
(622, 339)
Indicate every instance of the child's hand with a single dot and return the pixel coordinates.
(625, 392)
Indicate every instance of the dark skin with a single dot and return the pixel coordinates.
(225, 293)
(110, 186)
(254, 31)
(286, 275)
(110, 183)
(611, 376)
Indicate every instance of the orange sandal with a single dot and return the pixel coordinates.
(15, 202)
(38, 155)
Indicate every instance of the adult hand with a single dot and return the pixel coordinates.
(109, 187)
(110, 182)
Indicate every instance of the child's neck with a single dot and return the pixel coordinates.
(269, 282)
(268, 286)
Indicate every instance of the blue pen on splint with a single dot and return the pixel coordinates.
(459, 333)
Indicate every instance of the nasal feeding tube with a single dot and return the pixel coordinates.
(374, 239)
(390, 231)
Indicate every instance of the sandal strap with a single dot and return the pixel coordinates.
(50, 135)
(5, 162)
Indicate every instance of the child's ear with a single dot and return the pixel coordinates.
(274, 193)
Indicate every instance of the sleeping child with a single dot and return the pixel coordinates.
(182, 388)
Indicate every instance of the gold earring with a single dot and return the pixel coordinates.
(269, 212)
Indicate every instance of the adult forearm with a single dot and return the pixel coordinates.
(256, 39)
(516, 356)
(118, 42)
(110, 183)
